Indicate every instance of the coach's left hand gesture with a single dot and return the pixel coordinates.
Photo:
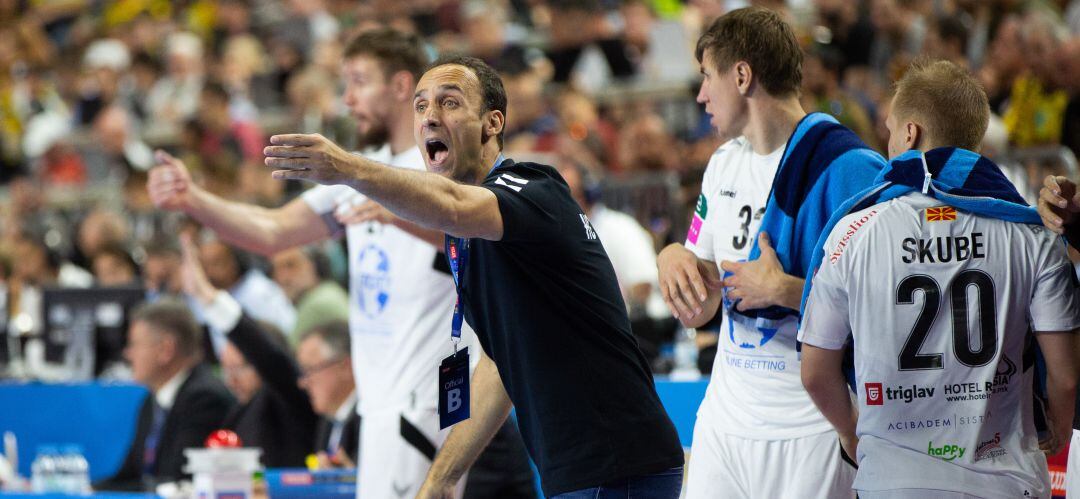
(761, 283)
(310, 157)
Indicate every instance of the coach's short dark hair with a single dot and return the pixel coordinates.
(763, 40)
(491, 85)
(394, 50)
(172, 317)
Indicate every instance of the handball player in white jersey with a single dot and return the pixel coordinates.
(757, 433)
(941, 305)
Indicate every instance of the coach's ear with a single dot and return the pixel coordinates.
(494, 122)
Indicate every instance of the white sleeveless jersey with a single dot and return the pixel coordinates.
(940, 304)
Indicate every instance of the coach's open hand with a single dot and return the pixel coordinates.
(310, 157)
(761, 283)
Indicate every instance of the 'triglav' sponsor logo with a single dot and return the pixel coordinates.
(876, 394)
(945, 452)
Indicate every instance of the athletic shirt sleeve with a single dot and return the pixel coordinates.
(528, 202)
(826, 322)
(1055, 303)
(699, 237)
(324, 200)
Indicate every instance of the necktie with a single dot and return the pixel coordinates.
(334, 441)
(153, 438)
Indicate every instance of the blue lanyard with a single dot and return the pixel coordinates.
(457, 251)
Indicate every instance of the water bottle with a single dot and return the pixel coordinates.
(76, 470)
(685, 355)
(43, 470)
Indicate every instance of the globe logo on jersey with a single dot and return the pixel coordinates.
(749, 337)
(373, 268)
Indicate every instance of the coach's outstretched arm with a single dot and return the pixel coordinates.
(425, 198)
(489, 407)
(1059, 349)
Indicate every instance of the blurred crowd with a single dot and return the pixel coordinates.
(89, 89)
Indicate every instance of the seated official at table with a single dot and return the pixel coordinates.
(274, 414)
(186, 401)
(327, 375)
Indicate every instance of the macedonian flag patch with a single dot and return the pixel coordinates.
(941, 214)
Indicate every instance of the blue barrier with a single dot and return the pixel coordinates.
(100, 418)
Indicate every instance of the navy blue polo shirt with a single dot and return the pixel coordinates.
(546, 307)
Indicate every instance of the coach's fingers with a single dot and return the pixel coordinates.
(291, 163)
(287, 152)
(291, 174)
(295, 139)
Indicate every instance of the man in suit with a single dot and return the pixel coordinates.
(186, 401)
(274, 414)
(327, 376)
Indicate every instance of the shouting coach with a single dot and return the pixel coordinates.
(534, 282)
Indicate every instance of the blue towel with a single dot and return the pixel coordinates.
(960, 178)
(823, 165)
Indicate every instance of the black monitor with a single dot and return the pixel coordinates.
(86, 329)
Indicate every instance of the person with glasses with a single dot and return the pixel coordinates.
(326, 374)
(274, 413)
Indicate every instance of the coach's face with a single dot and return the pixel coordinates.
(722, 94)
(449, 122)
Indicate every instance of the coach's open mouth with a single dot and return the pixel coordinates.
(437, 151)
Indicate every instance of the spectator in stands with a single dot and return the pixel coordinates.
(1068, 64)
(113, 265)
(327, 375)
(823, 92)
(1036, 108)
(186, 402)
(901, 30)
(175, 97)
(119, 148)
(273, 414)
(101, 227)
(161, 268)
(260, 297)
(103, 64)
(304, 276)
(40, 265)
(312, 103)
(646, 145)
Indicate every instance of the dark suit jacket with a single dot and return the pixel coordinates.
(350, 435)
(279, 418)
(200, 407)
